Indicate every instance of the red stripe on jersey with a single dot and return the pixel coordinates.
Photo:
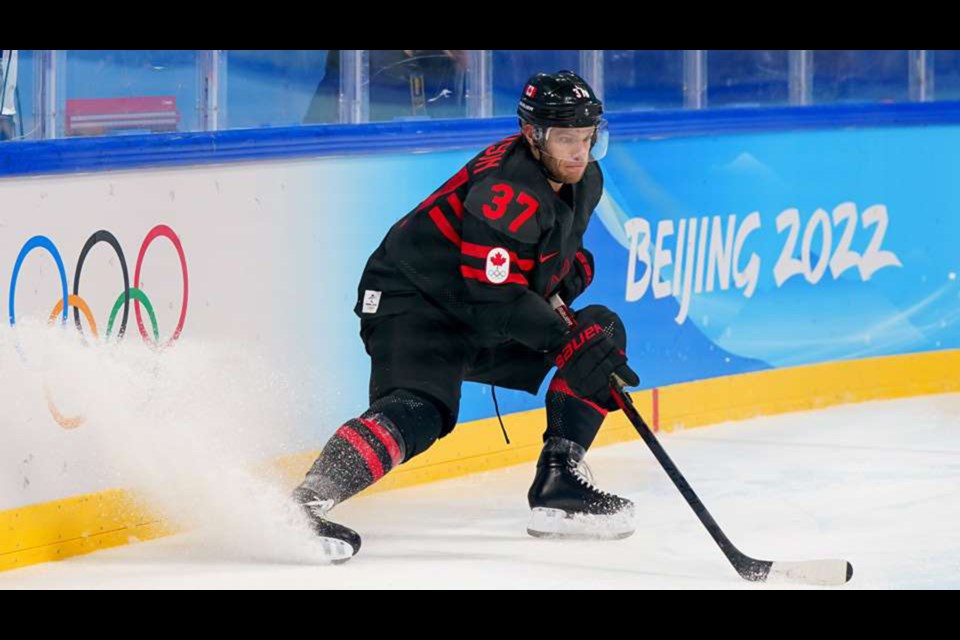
(454, 201)
(364, 449)
(444, 225)
(481, 275)
(525, 265)
(452, 184)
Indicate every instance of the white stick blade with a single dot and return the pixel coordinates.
(827, 573)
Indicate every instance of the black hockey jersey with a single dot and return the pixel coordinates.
(489, 247)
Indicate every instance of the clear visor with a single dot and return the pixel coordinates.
(576, 145)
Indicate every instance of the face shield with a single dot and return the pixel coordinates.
(575, 145)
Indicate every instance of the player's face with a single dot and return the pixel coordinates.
(567, 152)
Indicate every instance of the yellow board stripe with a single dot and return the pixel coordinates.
(77, 525)
(56, 530)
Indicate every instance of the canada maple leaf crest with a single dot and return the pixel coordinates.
(498, 259)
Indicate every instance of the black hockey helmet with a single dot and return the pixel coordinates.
(562, 100)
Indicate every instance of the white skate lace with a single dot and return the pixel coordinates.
(584, 476)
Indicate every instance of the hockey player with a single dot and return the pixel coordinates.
(459, 289)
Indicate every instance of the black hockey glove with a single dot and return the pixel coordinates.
(586, 359)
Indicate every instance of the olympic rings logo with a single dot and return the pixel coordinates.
(121, 306)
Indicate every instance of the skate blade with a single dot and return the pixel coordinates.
(557, 524)
(336, 551)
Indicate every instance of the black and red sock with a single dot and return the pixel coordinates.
(571, 417)
(362, 451)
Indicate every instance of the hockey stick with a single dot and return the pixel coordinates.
(817, 572)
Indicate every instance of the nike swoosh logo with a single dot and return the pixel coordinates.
(544, 258)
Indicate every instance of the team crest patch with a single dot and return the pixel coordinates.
(498, 265)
